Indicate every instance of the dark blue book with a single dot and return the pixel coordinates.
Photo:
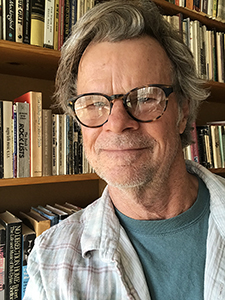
(48, 215)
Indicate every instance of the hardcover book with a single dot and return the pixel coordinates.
(37, 22)
(45, 213)
(7, 139)
(19, 21)
(13, 227)
(35, 111)
(23, 139)
(47, 142)
(8, 18)
(38, 223)
(27, 21)
(2, 261)
(49, 24)
(28, 238)
(60, 213)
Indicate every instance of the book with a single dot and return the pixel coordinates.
(19, 21)
(55, 144)
(7, 139)
(37, 22)
(35, 109)
(204, 143)
(8, 18)
(14, 140)
(1, 29)
(61, 24)
(75, 208)
(66, 18)
(60, 213)
(62, 145)
(1, 141)
(217, 162)
(56, 25)
(49, 24)
(69, 146)
(47, 142)
(23, 139)
(13, 228)
(28, 238)
(47, 214)
(2, 261)
(27, 21)
(38, 223)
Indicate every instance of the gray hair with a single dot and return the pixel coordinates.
(119, 20)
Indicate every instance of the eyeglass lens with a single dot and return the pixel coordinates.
(144, 104)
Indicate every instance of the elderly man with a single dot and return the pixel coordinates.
(157, 232)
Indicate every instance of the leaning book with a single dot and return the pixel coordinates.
(13, 231)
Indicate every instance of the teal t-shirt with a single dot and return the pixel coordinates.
(173, 251)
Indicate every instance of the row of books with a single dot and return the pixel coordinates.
(211, 8)
(17, 236)
(209, 146)
(45, 23)
(207, 46)
(35, 142)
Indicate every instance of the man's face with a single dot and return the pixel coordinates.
(124, 152)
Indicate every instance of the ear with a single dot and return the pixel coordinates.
(184, 116)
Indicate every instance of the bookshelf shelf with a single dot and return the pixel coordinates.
(172, 9)
(47, 179)
(27, 60)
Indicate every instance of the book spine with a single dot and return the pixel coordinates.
(1, 141)
(1, 21)
(2, 262)
(56, 25)
(36, 136)
(26, 21)
(37, 22)
(61, 24)
(13, 261)
(14, 140)
(55, 144)
(47, 142)
(7, 139)
(49, 24)
(66, 19)
(27, 246)
(23, 140)
(19, 21)
(9, 20)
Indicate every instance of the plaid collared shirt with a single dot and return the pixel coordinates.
(89, 256)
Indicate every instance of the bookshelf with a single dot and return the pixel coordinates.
(25, 67)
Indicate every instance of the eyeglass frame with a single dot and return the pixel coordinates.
(167, 89)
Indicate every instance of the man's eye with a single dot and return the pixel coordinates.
(146, 100)
(95, 105)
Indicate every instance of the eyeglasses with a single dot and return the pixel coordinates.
(143, 104)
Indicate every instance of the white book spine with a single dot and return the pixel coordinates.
(49, 23)
(8, 139)
(19, 21)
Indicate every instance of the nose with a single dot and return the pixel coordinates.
(119, 120)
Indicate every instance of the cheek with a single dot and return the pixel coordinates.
(89, 138)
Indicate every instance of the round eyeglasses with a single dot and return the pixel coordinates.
(143, 104)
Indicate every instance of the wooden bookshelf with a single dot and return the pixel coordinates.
(29, 67)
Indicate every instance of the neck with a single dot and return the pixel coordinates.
(168, 199)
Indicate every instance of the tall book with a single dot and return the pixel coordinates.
(1, 33)
(35, 109)
(23, 139)
(2, 261)
(55, 144)
(26, 21)
(47, 142)
(56, 25)
(1, 141)
(19, 21)
(7, 139)
(13, 227)
(8, 18)
(28, 238)
(62, 144)
(49, 24)
(37, 22)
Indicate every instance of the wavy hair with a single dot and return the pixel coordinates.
(119, 20)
